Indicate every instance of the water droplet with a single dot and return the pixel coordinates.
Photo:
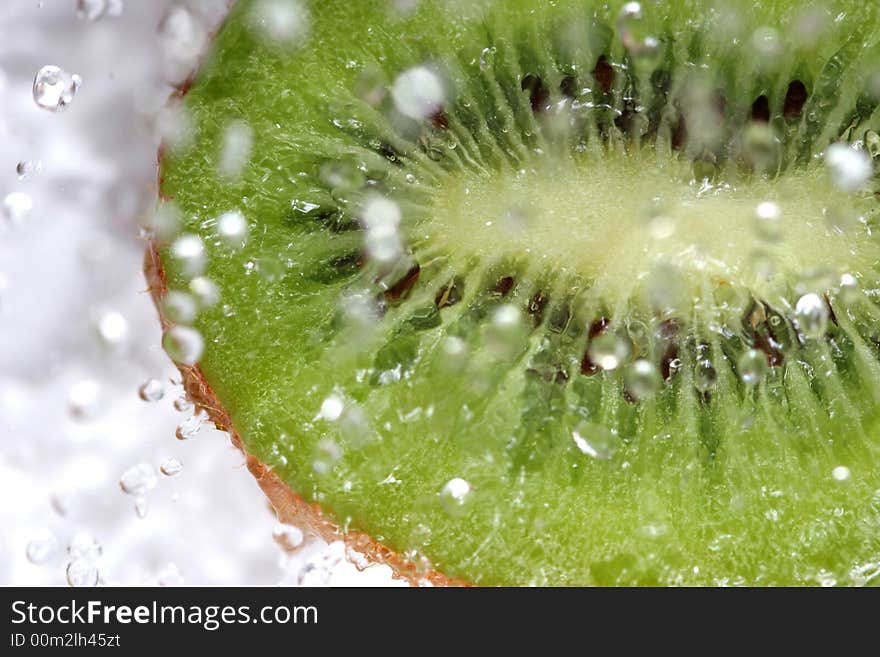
(633, 30)
(642, 379)
(41, 547)
(182, 40)
(81, 573)
(487, 56)
(454, 354)
(189, 253)
(190, 427)
(141, 508)
(811, 315)
(285, 22)
(767, 220)
(26, 168)
(205, 291)
(418, 93)
(705, 377)
(849, 289)
(138, 479)
(840, 473)
(238, 142)
(331, 408)
(287, 536)
(383, 244)
(609, 350)
(113, 329)
(16, 207)
(94, 10)
(55, 88)
(327, 454)
(179, 307)
(595, 440)
(183, 345)
(752, 366)
(850, 169)
(183, 405)
(151, 390)
(83, 545)
(82, 400)
(342, 176)
(380, 211)
(455, 497)
(171, 467)
(767, 42)
(232, 228)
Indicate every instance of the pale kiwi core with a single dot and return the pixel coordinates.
(614, 220)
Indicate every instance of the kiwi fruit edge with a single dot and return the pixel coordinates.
(291, 506)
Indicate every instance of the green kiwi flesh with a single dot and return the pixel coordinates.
(586, 360)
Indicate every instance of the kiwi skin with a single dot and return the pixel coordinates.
(290, 508)
(210, 404)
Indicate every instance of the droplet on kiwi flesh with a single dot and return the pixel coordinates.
(529, 301)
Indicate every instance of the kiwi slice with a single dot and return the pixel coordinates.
(563, 292)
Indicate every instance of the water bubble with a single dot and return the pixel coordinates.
(609, 350)
(205, 291)
(232, 228)
(16, 207)
(379, 211)
(811, 315)
(189, 253)
(327, 454)
(766, 41)
(41, 547)
(752, 366)
(55, 88)
(633, 30)
(705, 377)
(595, 440)
(642, 379)
(183, 405)
(26, 168)
(171, 467)
(418, 93)
(174, 125)
(183, 345)
(454, 354)
(342, 176)
(82, 573)
(505, 331)
(840, 473)
(182, 39)
(94, 10)
(850, 169)
(82, 400)
(138, 479)
(151, 390)
(287, 536)
(190, 427)
(487, 56)
(849, 288)
(760, 145)
(767, 220)
(141, 507)
(383, 244)
(354, 426)
(113, 329)
(331, 408)
(83, 545)
(661, 227)
(285, 22)
(238, 142)
(455, 496)
(164, 223)
(179, 307)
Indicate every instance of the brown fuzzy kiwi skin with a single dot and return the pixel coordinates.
(290, 507)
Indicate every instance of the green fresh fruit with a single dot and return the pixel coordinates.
(626, 331)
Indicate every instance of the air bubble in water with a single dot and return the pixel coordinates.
(609, 350)
(455, 496)
(642, 379)
(54, 88)
(82, 400)
(41, 547)
(285, 22)
(141, 507)
(383, 244)
(342, 176)
(83, 545)
(94, 10)
(327, 454)
(849, 288)
(190, 427)
(16, 207)
(113, 329)
(595, 440)
(179, 307)
(487, 56)
(705, 377)
(752, 366)
(182, 39)
(26, 168)
(189, 253)
(418, 93)
(850, 169)
(505, 332)
(840, 473)
(766, 41)
(331, 408)
(171, 467)
(205, 291)
(151, 390)
(634, 32)
(138, 479)
(454, 354)
(767, 220)
(811, 315)
(183, 345)
(379, 211)
(82, 573)
(287, 536)
(183, 405)
(232, 228)
(238, 142)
